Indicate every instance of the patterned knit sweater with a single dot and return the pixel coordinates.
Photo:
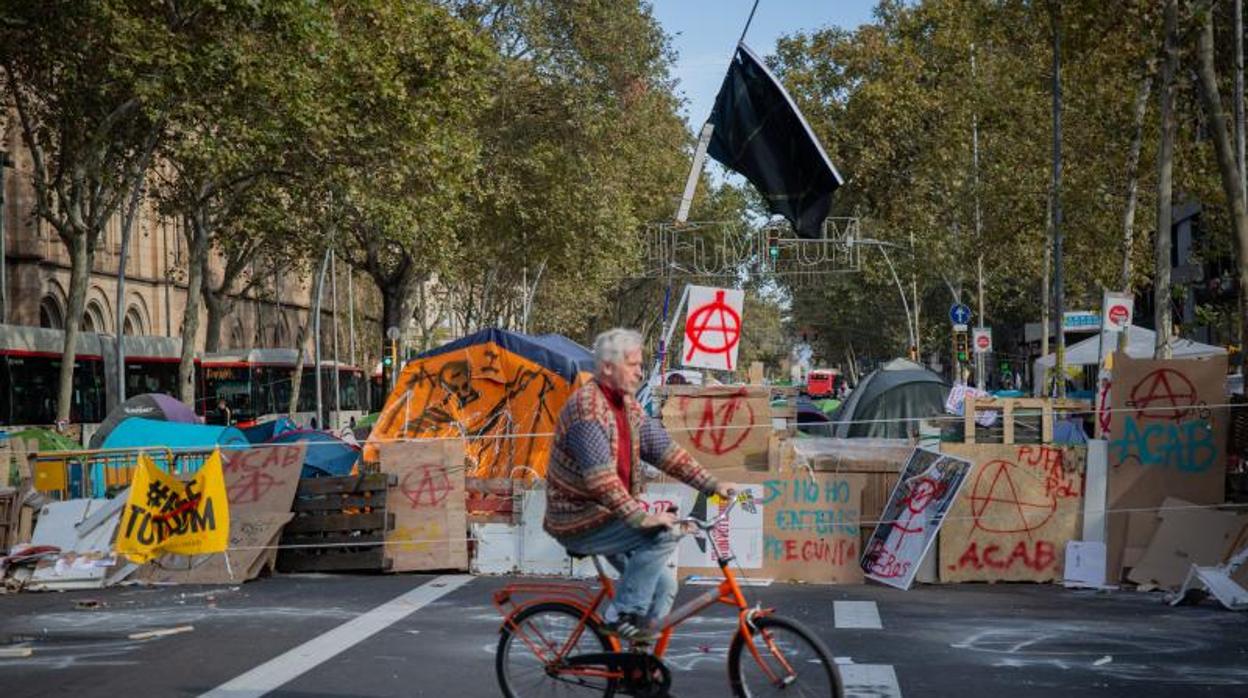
(584, 488)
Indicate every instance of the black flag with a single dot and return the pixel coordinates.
(760, 133)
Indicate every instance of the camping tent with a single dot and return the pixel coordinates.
(1140, 344)
(140, 433)
(156, 406)
(890, 401)
(326, 455)
(502, 390)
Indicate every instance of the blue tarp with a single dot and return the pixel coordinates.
(325, 456)
(556, 352)
(136, 432)
(266, 431)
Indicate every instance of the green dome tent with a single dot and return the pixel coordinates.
(889, 402)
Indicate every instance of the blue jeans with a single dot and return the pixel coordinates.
(646, 560)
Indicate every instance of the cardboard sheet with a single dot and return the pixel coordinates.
(722, 427)
(1185, 535)
(427, 503)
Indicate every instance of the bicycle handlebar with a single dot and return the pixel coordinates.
(736, 496)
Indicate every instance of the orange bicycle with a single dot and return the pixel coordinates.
(553, 640)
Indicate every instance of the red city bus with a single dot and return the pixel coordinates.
(821, 382)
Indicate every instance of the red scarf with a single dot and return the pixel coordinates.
(624, 453)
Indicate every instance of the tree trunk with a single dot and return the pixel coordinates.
(197, 245)
(81, 256)
(296, 377)
(214, 311)
(1133, 186)
(1165, 185)
(1227, 166)
(1133, 176)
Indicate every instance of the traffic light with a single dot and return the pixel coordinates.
(960, 346)
(773, 245)
(387, 361)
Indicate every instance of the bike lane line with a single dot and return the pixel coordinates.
(294, 663)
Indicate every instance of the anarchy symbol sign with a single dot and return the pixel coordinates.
(713, 328)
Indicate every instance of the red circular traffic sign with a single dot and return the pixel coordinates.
(1118, 314)
(982, 341)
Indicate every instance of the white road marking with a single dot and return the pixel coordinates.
(857, 615)
(869, 681)
(322, 648)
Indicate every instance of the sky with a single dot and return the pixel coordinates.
(705, 32)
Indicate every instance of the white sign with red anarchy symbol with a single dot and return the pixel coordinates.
(1119, 308)
(981, 340)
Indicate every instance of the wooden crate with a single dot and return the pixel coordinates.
(340, 525)
(10, 517)
(1011, 410)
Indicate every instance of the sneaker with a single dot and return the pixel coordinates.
(631, 628)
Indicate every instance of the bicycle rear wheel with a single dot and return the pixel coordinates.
(532, 649)
(790, 661)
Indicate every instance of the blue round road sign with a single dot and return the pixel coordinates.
(959, 314)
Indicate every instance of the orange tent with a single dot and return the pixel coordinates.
(501, 390)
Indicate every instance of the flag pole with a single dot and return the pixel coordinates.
(748, 21)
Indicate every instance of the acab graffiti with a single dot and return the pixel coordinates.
(1186, 447)
(1168, 425)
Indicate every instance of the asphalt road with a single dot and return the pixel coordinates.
(430, 637)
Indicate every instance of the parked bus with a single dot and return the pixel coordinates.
(256, 384)
(823, 382)
(30, 365)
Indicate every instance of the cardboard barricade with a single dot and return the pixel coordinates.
(804, 529)
(427, 502)
(1167, 438)
(721, 427)
(1019, 508)
(260, 485)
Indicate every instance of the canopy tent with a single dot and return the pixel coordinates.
(325, 455)
(1140, 345)
(502, 390)
(890, 401)
(156, 406)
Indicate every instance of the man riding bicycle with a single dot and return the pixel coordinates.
(595, 477)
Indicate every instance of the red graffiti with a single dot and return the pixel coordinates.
(998, 505)
(251, 487)
(430, 487)
(1041, 555)
(1164, 395)
(1103, 413)
(701, 324)
(917, 500)
(1057, 482)
(884, 564)
(835, 552)
(716, 433)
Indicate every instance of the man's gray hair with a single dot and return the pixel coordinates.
(611, 346)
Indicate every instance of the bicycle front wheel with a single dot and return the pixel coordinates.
(533, 649)
(781, 658)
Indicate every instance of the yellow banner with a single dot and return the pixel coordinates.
(165, 515)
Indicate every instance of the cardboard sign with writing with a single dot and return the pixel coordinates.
(253, 541)
(166, 515)
(428, 504)
(925, 492)
(1020, 507)
(263, 479)
(805, 529)
(721, 427)
(713, 328)
(1167, 438)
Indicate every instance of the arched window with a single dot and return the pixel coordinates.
(50, 314)
(93, 319)
(134, 323)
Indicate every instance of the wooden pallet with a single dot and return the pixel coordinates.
(1009, 407)
(340, 525)
(10, 516)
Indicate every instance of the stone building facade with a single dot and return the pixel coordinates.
(37, 279)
